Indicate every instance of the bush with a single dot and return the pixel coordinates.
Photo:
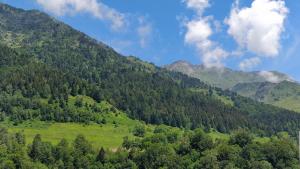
(241, 138)
(139, 131)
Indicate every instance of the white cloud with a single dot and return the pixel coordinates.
(270, 77)
(258, 28)
(213, 57)
(93, 7)
(199, 32)
(249, 63)
(144, 32)
(198, 5)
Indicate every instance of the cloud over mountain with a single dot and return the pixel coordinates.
(258, 28)
(198, 33)
(249, 63)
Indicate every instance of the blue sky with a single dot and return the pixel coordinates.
(200, 31)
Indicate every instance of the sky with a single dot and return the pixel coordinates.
(247, 35)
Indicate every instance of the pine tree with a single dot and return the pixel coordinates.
(101, 155)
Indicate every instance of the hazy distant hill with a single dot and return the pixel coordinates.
(285, 94)
(269, 87)
(224, 78)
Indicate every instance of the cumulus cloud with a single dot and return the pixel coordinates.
(258, 28)
(93, 7)
(198, 33)
(270, 76)
(249, 63)
(144, 32)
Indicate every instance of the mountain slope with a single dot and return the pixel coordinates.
(282, 91)
(285, 94)
(63, 62)
(221, 77)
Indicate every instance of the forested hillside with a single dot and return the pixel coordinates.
(44, 59)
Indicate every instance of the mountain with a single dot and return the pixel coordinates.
(44, 62)
(285, 94)
(269, 87)
(224, 78)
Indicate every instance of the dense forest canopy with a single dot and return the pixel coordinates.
(163, 149)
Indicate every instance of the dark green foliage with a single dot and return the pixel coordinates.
(139, 131)
(260, 165)
(101, 155)
(200, 141)
(150, 152)
(82, 146)
(41, 151)
(158, 156)
(241, 138)
(79, 102)
(282, 154)
(2, 116)
(20, 138)
(209, 161)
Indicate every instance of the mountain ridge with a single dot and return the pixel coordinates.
(224, 77)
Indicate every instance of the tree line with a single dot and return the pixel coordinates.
(164, 148)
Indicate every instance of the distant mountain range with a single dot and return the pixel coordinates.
(266, 86)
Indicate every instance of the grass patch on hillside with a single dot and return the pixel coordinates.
(290, 103)
(108, 135)
(225, 99)
(223, 136)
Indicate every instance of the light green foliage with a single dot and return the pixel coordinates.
(285, 94)
(106, 135)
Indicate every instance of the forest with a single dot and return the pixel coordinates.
(163, 149)
(154, 96)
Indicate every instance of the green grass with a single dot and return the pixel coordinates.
(226, 100)
(290, 103)
(106, 135)
(109, 135)
(218, 136)
(222, 136)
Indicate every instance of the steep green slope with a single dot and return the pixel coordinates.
(63, 62)
(285, 94)
(224, 78)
